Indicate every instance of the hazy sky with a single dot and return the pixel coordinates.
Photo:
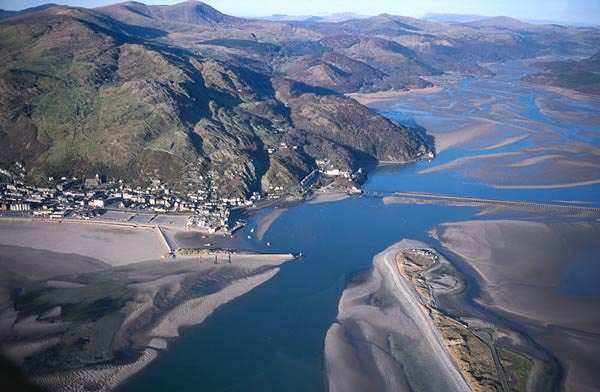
(584, 11)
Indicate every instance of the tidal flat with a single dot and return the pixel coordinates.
(382, 339)
(86, 306)
(500, 136)
(406, 326)
(531, 270)
(542, 275)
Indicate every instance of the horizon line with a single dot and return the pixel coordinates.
(320, 14)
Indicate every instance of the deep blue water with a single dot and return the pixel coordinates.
(271, 339)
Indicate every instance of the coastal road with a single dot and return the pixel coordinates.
(489, 340)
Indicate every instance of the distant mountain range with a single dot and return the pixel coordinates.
(7, 14)
(176, 92)
(580, 75)
(333, 18)
(462, 18)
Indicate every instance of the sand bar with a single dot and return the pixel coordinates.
(389, 345)
(90, 295)
(371, 99)
(535, 273)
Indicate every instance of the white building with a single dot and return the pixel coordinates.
(20, 207)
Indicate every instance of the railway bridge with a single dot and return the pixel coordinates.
(483, 201)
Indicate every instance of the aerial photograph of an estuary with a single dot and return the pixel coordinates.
(341, 197)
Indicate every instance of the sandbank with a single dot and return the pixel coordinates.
(327, 197)
(90, 309)
(192, 312)
(523, 269)
(373, 99)
(390, 344)
(265, 221)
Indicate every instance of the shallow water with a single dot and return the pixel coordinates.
(514, 107)
(271, 339)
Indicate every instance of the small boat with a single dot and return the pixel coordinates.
(252, 230)
(269, 244)
(249, 237)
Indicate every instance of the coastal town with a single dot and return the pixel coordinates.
(93, 199)
(157, 203)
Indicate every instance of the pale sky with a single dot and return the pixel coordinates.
(582, 11)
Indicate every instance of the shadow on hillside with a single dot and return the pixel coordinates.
(410, 122)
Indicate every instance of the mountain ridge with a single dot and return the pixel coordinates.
(84, 95)
(189, 95)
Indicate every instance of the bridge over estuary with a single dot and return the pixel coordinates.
(426, 196)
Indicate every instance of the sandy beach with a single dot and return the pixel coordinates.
(89, 293)
(112, 245)
(327, 197)
(374, 344)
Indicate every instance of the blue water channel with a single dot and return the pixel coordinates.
(271, 339)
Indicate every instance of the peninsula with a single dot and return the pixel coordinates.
(402, 327)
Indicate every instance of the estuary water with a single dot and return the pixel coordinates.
(271, 339)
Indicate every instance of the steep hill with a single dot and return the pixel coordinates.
(183, 92)
(581, 75)
(81, 93)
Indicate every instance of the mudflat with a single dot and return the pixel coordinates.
(542, 275)
(90, 305)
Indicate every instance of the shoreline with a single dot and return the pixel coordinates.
(91, 302)
(168, 242)
(362, 348)
(472, 353)
(104, 223)
(385, 97)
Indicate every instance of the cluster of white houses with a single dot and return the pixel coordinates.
(70, 197)
(204, 207)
